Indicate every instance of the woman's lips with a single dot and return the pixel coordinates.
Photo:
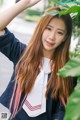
(49, 44)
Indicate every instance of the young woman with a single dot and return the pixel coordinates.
(35, 92)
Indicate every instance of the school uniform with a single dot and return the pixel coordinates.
(13, 48)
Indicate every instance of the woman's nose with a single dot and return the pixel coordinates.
(52, 35)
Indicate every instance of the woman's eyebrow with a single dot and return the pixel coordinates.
(50, 26)
(61, 29)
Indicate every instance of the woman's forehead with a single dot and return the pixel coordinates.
(58, 23)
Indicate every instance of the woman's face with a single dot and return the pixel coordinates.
(53, 36)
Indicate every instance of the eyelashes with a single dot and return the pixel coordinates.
(58, 32)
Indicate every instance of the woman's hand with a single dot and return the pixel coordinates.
(9, 14)
(29, 3)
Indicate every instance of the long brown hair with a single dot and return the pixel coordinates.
(27, 68)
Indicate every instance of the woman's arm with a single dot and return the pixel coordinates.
(9, 14)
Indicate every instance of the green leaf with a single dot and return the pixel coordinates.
(73, 9)
(68, 3)
(55, 1)
(73, 105)
(72, 68)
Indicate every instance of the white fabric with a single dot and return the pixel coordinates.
(35, 103)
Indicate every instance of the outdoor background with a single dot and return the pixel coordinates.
(23, 27)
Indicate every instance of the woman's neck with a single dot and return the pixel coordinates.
(48, 54)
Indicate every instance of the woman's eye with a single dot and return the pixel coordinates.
(48, 28)
(61, 33)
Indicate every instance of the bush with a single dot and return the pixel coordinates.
(32, 18)
(33, 15)
(33, 12)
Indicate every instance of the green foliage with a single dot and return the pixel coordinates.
(75, 53)
(62, 2)
(33, 12)
(32, 18)
(73, 9)
(68, 2)
(55, 1)
(72, 68)
(1, 1)
(73, 105)
(33, 15)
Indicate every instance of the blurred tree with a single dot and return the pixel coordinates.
(1, 1)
